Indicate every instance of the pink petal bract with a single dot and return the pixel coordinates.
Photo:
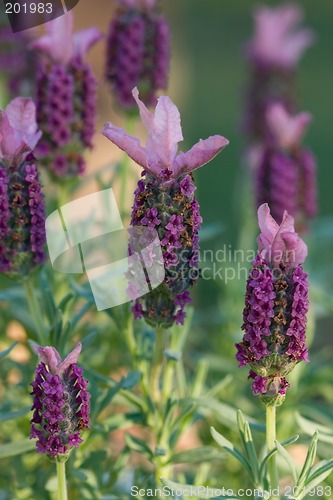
(200, 154)
(164, 134)
(288, 130)
(18, 130)
(277, 41)
(131, 145)
(51, 358)
(279, 244)
(70, 359)
(57, 43)
(84, 39)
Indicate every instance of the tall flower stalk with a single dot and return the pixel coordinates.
(276, 304)
(66, 96)
(137, 51)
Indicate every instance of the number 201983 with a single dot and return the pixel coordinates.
(28, 8)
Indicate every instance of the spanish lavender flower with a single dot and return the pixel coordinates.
(276, 304)
(22, 207)
(164, 200)
(60, 402)
(273, 54)
(66, 96)
(286, 175)
(137, 51)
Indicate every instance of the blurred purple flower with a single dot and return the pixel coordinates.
(276, 304)
(66, 96)
(137, 51)
(22, 207)
(164, 200)
(277, 41)
(60, 402)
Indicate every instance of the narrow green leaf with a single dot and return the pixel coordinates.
(190, 490)
(274, 450)
(10, 415)
(216, 389)
(7, 351)
(324, 433)
(319, 469)
(196, 455)
(288, 459)
(138, 445)
(230, 448)
(251, 452)
(309, 461)
(131, 379)
(16, 448)
(311, 485)
(63, 304)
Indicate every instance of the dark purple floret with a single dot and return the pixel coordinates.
(22, 219)
(61, 409)
(172, 209)
(276, 304)
(137, 54)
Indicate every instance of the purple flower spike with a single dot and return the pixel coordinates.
(276, 304)
(286, 175)
(66, 96)
(60, 402)
(164, 200)
(137, 52)
(22, 207)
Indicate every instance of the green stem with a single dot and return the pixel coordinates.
(124, 168)
(35, 310)
(61, 475)
(129, 336)
(157, 363)
(270, 443)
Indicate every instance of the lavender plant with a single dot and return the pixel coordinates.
(61, 407)
(164, 200)
(22, 207)
(66, 96)
(137, 51)
(276, 304)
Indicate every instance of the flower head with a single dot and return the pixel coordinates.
(164, 134)
(276, 304)
(18, 131)
(288, 130)
(22, 206)
(165, 201)
(60, 45)
(66, 96)
(61, 402)
(277, 42)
